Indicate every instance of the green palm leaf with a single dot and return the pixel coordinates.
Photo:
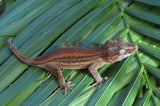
(40, 26)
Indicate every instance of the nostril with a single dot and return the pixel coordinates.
(136, 46)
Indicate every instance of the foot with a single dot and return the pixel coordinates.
(93, 46)
(100, 82)
(65, 86)
(78, 44)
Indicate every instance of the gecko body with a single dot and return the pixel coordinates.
(73, 57)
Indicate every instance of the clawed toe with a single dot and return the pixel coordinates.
(65, 87)
(100, 82)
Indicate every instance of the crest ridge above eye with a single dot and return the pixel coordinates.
(121, 40)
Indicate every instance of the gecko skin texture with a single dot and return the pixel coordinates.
(74, 57)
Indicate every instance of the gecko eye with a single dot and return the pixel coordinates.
(122, 51)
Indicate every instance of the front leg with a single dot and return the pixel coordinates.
(93, 70)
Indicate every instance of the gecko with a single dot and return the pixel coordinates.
(73, 57)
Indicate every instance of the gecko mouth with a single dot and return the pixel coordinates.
(132, 49)
(136, 48)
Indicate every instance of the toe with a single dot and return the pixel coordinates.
(99, 82)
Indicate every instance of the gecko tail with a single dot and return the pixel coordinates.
(18, 54)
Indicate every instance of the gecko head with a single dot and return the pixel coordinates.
(118, 49)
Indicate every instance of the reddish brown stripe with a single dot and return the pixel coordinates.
(68, 56)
